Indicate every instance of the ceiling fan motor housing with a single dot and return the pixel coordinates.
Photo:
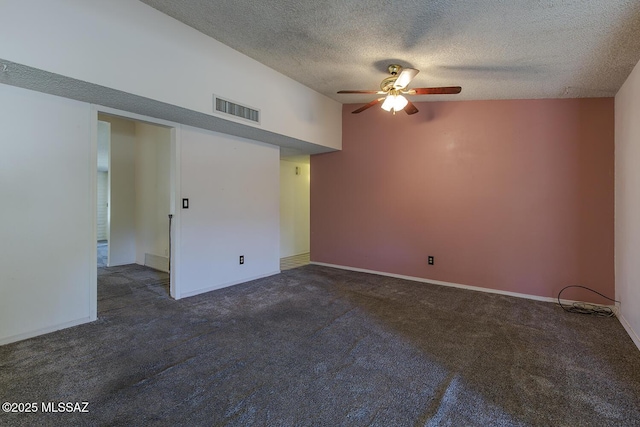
(394, 69)
(387, 84)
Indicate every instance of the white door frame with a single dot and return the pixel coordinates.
(174, 174)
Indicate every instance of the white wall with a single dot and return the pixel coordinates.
(122, 226)
(153, 189)
(45, 260)
(47, 263)
(294, 208)
(233, 189)
(101, 42)
(627, 212)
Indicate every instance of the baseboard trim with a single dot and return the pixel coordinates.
(627, 327)
(43, 331)
(295, 255)
(449, 284)
(157, 262)
(225, 285)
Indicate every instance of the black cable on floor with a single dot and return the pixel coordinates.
(586, 308)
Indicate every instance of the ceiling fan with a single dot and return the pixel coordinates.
(395, 87)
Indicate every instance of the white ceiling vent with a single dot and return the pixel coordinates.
(235, 109)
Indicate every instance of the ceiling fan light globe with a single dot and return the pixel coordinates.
(400, 102)
(388, 103)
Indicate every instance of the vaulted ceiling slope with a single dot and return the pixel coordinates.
(494, 49)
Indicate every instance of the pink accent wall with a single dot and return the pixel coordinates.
(514, 195)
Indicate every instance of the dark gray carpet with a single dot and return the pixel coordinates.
(316, 346)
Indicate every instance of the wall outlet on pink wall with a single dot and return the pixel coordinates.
(430, 260)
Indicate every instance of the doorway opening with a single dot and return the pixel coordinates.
(295, 180)
(102, 218)
(134, 188)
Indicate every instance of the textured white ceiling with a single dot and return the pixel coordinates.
(494, 49)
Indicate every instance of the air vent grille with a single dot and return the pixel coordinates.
(228, 107)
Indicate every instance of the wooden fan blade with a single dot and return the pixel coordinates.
(449, 90)
(360, 91)
(410, 108)
(369, 105)
(405, 77)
